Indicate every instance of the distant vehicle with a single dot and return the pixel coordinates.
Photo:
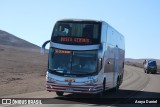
(85, 56)
(150, 66)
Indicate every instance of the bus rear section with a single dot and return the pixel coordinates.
(84, 57)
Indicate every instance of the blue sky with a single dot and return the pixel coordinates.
(137, 20)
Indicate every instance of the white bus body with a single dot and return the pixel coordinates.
(109, 52)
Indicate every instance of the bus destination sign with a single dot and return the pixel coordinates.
(74, 40)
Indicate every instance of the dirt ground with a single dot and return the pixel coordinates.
(21, 70)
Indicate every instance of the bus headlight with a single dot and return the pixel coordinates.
(50, 79)
(91, 81)
(94, 81)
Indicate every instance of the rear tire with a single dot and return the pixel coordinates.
(59, 93)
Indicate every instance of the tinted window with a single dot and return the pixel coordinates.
(76, 32)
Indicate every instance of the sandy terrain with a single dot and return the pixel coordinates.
(21, 70)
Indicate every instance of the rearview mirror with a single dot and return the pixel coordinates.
(43, 47)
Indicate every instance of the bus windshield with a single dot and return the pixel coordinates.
(72, 62)
(75, 33)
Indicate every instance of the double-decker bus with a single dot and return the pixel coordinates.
(85, 56)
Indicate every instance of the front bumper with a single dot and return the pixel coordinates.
(90, 89)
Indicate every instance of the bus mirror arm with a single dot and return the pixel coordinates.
(43, 47)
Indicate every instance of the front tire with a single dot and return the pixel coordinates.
(59, 93)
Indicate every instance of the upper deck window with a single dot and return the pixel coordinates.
(75, 32)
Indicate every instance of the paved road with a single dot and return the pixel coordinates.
(136, 85)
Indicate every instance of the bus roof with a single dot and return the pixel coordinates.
(80, 20)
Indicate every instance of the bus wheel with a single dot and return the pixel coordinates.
(59, 93)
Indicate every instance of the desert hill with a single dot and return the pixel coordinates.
(11, 40)
(22, 67)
